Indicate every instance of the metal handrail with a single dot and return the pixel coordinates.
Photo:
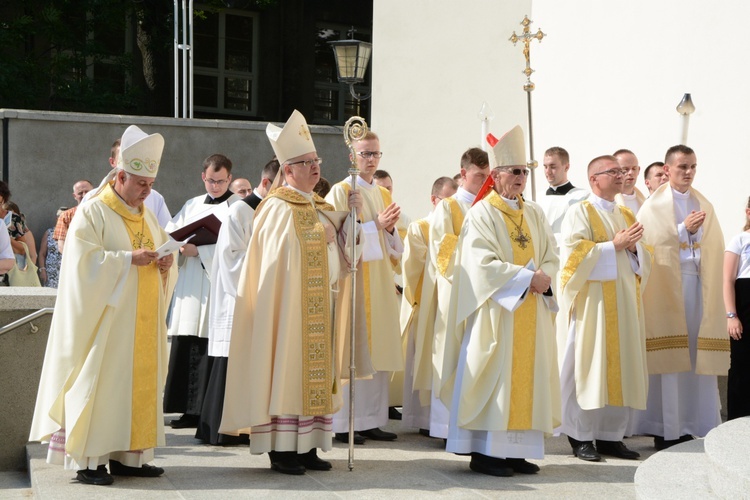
(27, 319)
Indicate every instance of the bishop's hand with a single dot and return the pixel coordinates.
(540, 282)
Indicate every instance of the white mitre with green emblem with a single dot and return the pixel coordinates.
(140, 153)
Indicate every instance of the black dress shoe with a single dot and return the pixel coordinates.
(185, 422)
(522, 466)
(616, 449)
(424, 432)
(118, 469)
(378, 435)
(491, 466)
(393, 413)
(97, 477)
(286, 462)
(586, 451)
(311, 461)
(662, 444)
(343, 437)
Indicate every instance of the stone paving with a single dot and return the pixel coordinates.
(411, 467)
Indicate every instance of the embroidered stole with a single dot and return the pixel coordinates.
(424, 229)
(317, 345)
(145, 345)
(448, 246)
(609, 297)
(524, 324)
(387, 200)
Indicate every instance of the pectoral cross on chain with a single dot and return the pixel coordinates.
(521, 238)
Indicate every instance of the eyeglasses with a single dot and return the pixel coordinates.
(370, 154)
(613, 172)
(516, 171)
(307, 163)
(217, 183)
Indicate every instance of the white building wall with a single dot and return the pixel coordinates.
(608, 75)
(434, 64)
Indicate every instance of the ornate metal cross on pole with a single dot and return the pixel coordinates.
(526, 37)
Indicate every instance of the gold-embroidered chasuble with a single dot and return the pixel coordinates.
(143, 421)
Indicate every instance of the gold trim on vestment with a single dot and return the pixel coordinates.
(668, 342)
(424, 228)
(448, 245)
(690, 246)
(707, 344)
(612, 335)
(387, 200)
(611, 321)
(446, 252)
(145, 343)
(317, 348)
(582, 249)
(524, 324)
(630, 220)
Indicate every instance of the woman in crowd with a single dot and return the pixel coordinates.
(737, 303)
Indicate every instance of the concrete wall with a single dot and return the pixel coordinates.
(21, 358)
(48, 152)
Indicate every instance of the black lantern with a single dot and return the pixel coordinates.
(352, 57)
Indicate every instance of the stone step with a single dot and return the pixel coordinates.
(728, 453)
(714, 467)
(679, 472)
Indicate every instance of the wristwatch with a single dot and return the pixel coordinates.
(731, 315)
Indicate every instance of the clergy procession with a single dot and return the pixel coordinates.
(284, 319)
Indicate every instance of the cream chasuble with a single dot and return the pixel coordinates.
(382, 256)
(509, 380)
(418, 307)
(445, 228)
(602, 291)
(666, 327)
(282, 356)
(106, 357)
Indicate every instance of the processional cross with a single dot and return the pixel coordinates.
(526, 38)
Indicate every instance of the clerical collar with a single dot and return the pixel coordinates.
(364, 183)
(629, 196)
(560, 190)
(512, 203)
(215, 201)
(464, 195)
(257, 193)
(678, 195)
(607, 205)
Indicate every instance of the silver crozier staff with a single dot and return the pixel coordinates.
(355, 129)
